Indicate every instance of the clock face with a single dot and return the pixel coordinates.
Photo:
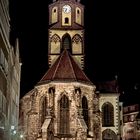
(66, 9)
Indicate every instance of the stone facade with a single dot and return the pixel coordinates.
(114, 129)
(64, 104)
(9, 77)
(31, 112)
(131, 125)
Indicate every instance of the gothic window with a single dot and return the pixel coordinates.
(66, 42)
(55, 38)
(76, 39)
(66, 20)
(85, 110)
(55, 44)
(108, 114)
(51, 92)
(64, 115)
(77, 44)
(43, 109)
(78, 96)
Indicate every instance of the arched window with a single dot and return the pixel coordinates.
(77, 39)
(54, 15)
(77, 44)
(78, 17)
(54, 10)
(108, 114)
(85, 110)
(64, 115)
(66, 20)
(55, 44)
(43, 109)
(108, 134)
(66, 42)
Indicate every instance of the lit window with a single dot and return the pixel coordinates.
(64, 115)
(85, 110)
(108, 114)
(43, 110)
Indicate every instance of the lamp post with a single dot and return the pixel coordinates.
(15, 134)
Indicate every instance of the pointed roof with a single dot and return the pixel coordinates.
(65, 69)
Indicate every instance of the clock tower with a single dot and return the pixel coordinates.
(63, 105)
(66, 21)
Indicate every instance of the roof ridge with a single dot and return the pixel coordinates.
(80, 69)
(71, 65)
(60, 57)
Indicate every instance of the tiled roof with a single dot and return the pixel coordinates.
(65, 69)
(108, 86)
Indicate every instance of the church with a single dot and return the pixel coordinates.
(65, 104)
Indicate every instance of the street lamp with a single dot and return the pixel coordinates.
(16, 135)
(21, 136)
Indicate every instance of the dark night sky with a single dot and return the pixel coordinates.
(111, 43)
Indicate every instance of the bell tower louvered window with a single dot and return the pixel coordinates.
(66, 42)
(64, 115)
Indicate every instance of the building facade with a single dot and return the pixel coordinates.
(64, 104)
(131, 126)
(111, 109)
(9, 77)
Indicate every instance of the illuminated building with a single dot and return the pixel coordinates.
(131, 122)
(9, 76)
(111, 109)
(64, 104)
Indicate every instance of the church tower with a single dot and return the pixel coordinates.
(66, 30)
(63, 105)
